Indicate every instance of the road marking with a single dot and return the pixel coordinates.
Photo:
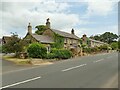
(20, 82)
(73, 67)
(98, 60)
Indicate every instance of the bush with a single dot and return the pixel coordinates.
(61, 53)
(91, 50)
(87, 50)
(36, 50)
(51, 56)
(103, 47)
(114, 45)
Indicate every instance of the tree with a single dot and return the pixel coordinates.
(13, 45)
(106, 37)
(96, 37)
(40, 29)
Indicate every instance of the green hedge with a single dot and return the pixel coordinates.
(51, 56)
(59, 53)
(103, 47)
(36, 50)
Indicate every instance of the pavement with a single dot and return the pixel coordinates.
(98, 71)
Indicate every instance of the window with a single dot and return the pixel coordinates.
(66, 40)
(48, 49)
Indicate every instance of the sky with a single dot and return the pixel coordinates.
(90, 17)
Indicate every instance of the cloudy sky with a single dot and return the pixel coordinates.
(89, 17)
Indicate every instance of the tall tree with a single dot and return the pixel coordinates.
(13, 45)
(40, 29)
(107, 37)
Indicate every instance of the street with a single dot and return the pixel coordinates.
(97, 71)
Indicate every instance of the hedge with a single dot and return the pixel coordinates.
(59, 53)
(36, 50)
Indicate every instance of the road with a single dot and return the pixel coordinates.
(98, 71)
(8, 66)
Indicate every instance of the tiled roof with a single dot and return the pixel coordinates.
(97, 41)
(43, 39)
(65, 34)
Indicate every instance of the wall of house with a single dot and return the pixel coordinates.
(93, 44)
(69, 43)
(48, 32)
(29, 39)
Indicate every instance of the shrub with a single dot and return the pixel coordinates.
(51, 56)
(103, 47)
(61, 53)
(36, 50)
(87, 50)
(114, 45)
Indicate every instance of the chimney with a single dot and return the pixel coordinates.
(84, 37)
(48, 23)
(72, 31)
(29, 29)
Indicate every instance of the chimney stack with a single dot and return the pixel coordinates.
(29, 29)
(48, 23)
(72, 31)
(84, 37)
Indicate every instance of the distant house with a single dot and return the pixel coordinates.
(6, 39)
(71, 41)
(91, 42)
(94, 43)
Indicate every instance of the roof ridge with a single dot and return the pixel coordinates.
(73, 35)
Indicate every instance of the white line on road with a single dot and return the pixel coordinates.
(98, 60)
(20, 82)
(73, 67)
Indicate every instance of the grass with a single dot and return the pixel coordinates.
(16, 60)
(28, 61)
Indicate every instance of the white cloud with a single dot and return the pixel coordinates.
(100, 7)
(98, 30)
(16, 15)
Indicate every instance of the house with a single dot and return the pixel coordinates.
(94, 43)
(91, 42)
(6, 39)
(71, 41)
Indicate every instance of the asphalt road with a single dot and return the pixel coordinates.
(98, 71)
(8, 66)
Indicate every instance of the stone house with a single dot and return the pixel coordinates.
(71, 41)
(91, 42)
(94, 43)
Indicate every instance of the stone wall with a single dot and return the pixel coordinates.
(48, 32)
